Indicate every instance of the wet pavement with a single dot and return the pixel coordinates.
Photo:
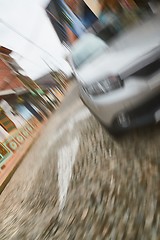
(76, 182)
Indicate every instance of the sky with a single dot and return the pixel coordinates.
(21, 19)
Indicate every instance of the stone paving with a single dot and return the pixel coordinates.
(76, 183)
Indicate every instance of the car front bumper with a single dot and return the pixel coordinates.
(123, 111)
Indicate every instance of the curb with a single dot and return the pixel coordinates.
(14, 162)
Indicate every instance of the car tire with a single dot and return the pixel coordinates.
(115, 133)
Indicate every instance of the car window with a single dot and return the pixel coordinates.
(87, 48)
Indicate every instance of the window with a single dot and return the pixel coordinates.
(88, 47)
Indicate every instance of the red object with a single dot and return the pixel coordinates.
(8, 80)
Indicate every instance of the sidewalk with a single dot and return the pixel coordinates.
(10, 166)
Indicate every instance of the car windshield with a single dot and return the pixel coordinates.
(87, 48)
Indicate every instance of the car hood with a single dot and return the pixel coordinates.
(121, 62)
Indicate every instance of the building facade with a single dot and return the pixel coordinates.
(20, 114)
(70, 19)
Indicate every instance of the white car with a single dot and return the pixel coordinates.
(120, 83)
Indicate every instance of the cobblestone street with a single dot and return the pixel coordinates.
(76, 182)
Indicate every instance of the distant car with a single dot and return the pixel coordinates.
(120, 84)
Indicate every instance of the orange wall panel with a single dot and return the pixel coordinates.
(8, 80)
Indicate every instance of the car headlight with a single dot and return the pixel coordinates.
(109, 84)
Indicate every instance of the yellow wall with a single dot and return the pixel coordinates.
(94, 6)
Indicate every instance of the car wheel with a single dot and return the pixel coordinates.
(116, 133)
(120, 125)
(113, 131)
